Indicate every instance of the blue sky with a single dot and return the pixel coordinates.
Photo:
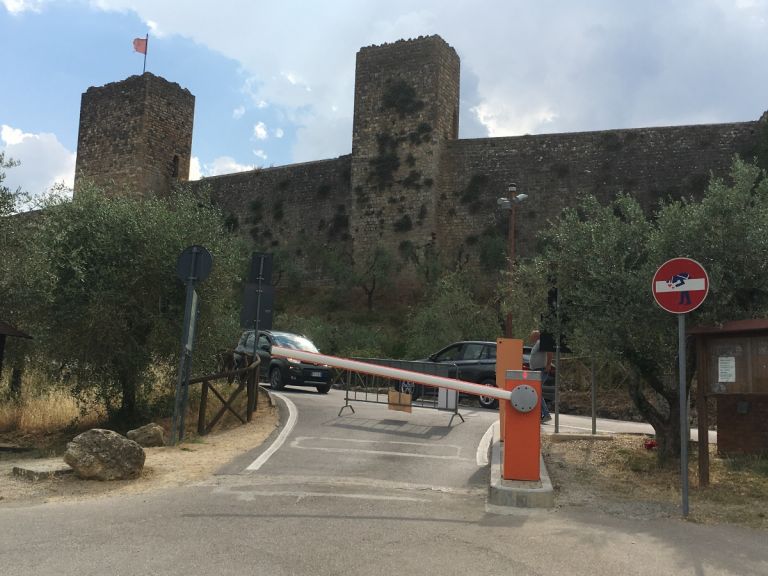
(274, 82)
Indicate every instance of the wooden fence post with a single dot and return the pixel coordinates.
(203, 407)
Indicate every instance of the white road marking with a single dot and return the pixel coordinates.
(240, 484)
(570, 427)
(485, 445)
(301, 494)
(297, 443)
(281, 438)
(361, 441)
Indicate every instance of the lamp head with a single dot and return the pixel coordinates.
(519, 198)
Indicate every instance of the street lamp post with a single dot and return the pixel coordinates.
(510, 203)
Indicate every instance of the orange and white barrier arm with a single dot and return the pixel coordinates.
(394, 373)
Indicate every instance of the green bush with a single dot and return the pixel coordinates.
(449, 312)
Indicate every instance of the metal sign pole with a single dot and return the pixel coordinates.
(557, 366)
(683, 412)
(192, 266)
(184, 362)
(188, 369)
(258, 305)
(594, 399)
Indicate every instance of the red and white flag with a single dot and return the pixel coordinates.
(140, 45)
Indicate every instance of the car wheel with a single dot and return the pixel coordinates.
(276, 379)
(323, 388)
(488, 402)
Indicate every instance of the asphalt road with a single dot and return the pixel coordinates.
(374, 492)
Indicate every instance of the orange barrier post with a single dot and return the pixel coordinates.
(509, 356)
(522, 426)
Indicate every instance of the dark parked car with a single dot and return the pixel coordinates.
(283, 372)
(474, 361)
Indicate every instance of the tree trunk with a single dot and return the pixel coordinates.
(666, 423)
(127, 413)
(15, 389)
(668, 436)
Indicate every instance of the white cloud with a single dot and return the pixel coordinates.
(260, 131)
(224, 165)
(547, 65)
(44, 160)
(219, 166)
(499, 120)
(260, 154)
(11, 136)
(238, 112)
(19, 6)
(195, 171)
(279, 132)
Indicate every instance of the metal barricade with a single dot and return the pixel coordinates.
(361, 387)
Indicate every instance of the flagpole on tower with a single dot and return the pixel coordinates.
(140, 45)
(146, 49)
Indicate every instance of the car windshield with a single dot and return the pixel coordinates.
(296, 342)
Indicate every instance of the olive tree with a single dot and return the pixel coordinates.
(114, 304)
(604, 257)
(448, 312)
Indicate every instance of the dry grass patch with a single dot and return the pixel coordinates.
(620, 476)
(194, 461)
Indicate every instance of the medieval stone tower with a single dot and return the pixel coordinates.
(135, 135)
(406, 108)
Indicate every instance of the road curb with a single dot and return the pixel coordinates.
(559, 437)
(270, 398)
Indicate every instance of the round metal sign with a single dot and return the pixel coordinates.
(680, 285)
(194, 264)
(524, 398)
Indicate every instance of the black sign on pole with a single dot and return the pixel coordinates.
(254, 307)
(258, 297)
(261, 268)
(192, 267)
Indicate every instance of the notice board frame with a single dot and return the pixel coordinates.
(732, 359)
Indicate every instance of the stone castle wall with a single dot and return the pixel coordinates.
(298, 207)
(555, 169)
(409, 182)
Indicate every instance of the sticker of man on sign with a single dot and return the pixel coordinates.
(677, 281)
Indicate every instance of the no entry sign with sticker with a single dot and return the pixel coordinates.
(680, 285)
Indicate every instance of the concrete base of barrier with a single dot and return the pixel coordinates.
(514, 493)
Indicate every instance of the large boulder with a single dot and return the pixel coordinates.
(147, 436)
(104, 455)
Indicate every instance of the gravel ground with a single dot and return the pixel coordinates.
(622, 478)
(164, 467)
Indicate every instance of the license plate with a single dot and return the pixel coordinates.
(317, 374)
